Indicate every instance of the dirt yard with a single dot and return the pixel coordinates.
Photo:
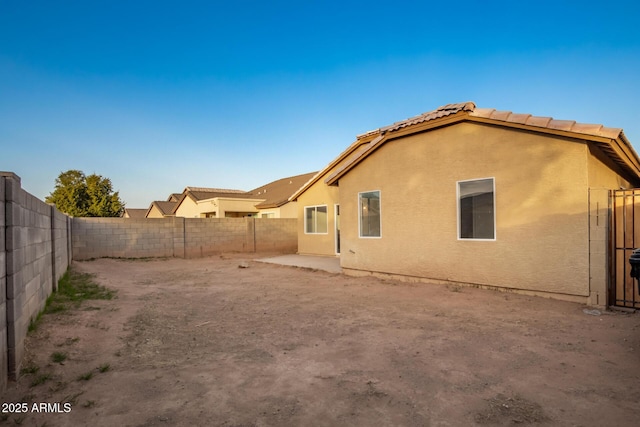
(204, 342)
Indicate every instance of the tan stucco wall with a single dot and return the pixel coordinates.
(318, 244)
(233, 205)
(154, 213)
(188, 209)
(220, 205)
(288, 210)
(542, 209)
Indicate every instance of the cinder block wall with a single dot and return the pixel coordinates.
(35, 254)
(126, 237)
(3, 293)
(180, 237)
(209, 236)
(274, 236)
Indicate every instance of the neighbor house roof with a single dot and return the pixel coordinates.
(165, 208)
(206, 195)
(198, 194)
(135, 213)
(277, 193)
(611, 141)
(353, 151)
(212, 190)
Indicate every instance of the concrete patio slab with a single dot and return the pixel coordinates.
(330, 264)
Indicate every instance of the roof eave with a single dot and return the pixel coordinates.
(618, 149)
(386, 136)
(362, 139)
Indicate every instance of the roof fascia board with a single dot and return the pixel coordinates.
(357, 143)
(538, 129)
(377, 142)
(620, 146)
(627, 154)
(274, 204)
(426, 125)
(388, 136)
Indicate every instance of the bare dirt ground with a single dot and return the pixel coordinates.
(204, 342)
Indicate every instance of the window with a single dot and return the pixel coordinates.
(369, 207)
(476, 209)
(315, 219)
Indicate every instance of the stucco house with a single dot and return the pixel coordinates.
(266, 201)
(200, 202)
(160, 209)
(473, 196)
(134, 213)
(276, 196)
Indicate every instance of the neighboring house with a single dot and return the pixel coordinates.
(276, 195)
(175, 197)
(267, 201)
(475, 196)
(159, 209)
(134, 213)
(200, 202)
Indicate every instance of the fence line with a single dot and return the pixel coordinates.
(35, 251)
(38, 242)
(180, 237)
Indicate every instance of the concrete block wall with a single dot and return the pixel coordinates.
(35, 254)
(276, 236)
(4, 354)
(37, 244)
(179, 237)
(61, 237)
(124, 237)
(209, 236)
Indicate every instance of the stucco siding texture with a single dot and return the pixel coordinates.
(542, 211)
(188, 209)
(319, 194)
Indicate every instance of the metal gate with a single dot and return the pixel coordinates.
(625, 237)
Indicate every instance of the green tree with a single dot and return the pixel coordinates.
(78, 195)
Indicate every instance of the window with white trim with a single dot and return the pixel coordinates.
(476, 209)
(369, 217)
(315, 219)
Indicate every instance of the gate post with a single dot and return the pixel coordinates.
(598, 240)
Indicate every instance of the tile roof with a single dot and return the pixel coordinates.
(273, 194)
(505, 116)
(277, 193)
(445, 110)
(612, 141)
(547, 122)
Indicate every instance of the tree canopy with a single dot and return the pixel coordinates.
(78, 195)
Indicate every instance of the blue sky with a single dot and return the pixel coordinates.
(159, 95)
